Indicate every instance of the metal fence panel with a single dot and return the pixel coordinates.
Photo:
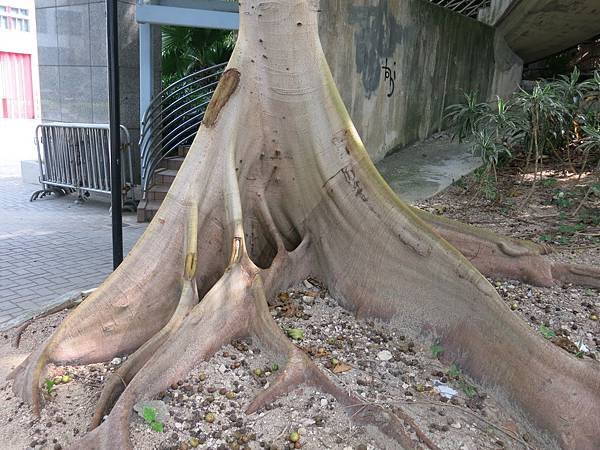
(76, 157)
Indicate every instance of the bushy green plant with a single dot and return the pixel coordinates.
(548, 121)
(186, 50)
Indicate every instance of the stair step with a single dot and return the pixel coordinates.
(183, 150)
(158, 192)
(172, 162)
(147, 209)
(165, 176)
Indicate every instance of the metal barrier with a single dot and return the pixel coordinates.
(75, 157)
(173, 118)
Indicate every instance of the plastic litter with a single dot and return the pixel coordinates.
(443, 389)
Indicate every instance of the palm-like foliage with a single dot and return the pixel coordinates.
(186, 50)
(466, 116)
(553, 117)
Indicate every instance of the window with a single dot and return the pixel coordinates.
(14, 19)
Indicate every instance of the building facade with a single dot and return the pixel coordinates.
(19, 91)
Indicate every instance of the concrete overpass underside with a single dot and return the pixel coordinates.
(535, 29)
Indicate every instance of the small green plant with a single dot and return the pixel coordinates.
(454, 371)
(546, 237)
(547, 332)
(561, 199)
(549, 182)
(571, 229)
(295, 333)
(467, 388)
(149, 415)
(50, 386)
(436, 350)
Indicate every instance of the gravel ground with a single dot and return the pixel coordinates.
(567, 315)
(371, 359)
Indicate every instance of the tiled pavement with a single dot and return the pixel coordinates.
(50, 247)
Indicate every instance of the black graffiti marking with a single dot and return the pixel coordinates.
(391, 76)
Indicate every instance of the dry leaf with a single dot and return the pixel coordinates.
(341, 367)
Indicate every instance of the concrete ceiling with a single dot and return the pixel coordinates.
(535, 29)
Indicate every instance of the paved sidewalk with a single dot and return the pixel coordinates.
(50, 247)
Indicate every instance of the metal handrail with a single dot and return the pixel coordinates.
(172, 117)
(166, 141)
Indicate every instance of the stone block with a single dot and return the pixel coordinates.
(76, 94)
(73, 27)
(44, 4)
(30, 172)
(99, 94)
(98, 47)
(129, 50)
(47, 37)
(49, 93)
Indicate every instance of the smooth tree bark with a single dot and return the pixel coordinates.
(276, 187)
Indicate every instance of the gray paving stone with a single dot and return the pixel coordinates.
(50, 247)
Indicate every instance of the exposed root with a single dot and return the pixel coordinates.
(577, 274)
(497, 255)
(69, 303)
(123, 376)
(219, 318)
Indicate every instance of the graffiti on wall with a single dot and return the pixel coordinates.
(389, 74)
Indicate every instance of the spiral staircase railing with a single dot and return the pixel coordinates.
(173, 117)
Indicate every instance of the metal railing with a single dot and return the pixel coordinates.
(173, 118)
(469, 8)
(75, 157)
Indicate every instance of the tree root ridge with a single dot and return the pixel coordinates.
(496, 255)
(69, 303)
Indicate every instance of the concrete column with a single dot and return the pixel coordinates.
(147, 65)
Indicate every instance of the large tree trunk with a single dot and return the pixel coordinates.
(276, 187)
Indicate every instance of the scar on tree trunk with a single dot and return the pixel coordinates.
(276, 187)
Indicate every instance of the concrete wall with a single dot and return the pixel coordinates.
(433, 56)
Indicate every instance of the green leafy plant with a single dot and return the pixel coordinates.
(547, 332)
(454, 371)
(149, 415)
(465, 117)
(550, 182)
(186, 50)
(295, 333)
(467, 388)
(50, 385)
(436, 350)
(553, 119)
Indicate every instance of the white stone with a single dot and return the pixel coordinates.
(323, 402)
(456, 425)
(384, 355)
(116, 361)
(222, 368)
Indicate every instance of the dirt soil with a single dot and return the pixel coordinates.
(380, 364)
